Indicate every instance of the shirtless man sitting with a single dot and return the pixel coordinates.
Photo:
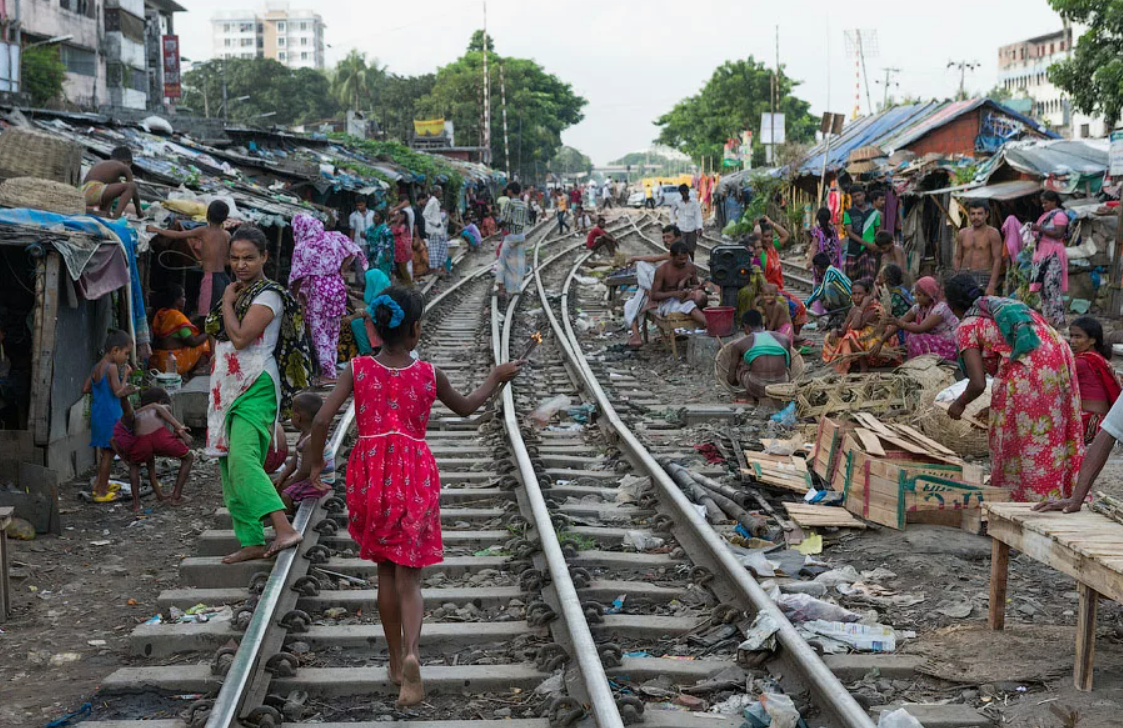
(676, 288)
(112, 181)
(978, 249)
(762, 357)
(211, 246)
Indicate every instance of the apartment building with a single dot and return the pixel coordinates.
(292, 37)
(1023, 70)
(110, 49)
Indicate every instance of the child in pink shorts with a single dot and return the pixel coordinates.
(138, 437)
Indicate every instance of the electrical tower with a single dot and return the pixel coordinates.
(860, 45)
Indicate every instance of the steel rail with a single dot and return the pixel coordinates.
(603, 703)
(797, 653)
(228, 704)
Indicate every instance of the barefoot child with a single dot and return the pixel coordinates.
(107, 383)
(774, 308)
(294, 484)
(109, 186)
(393, 487)
(142, 435)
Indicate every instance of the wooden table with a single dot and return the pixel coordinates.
(615, 283)
(1085, 545)
(5, 589)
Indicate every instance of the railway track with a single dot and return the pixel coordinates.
(544, 611)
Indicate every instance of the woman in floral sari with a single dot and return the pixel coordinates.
(316, 279)
(1050, 259)
(1099, 387)
(261, 361)
(858, 337)
(175, 335)
(929, 325)
(1036, 430)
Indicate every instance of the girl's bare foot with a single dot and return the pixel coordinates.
(286, 541)
(249, 553)
(413, 690)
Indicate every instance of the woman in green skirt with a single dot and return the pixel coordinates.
(261, 359)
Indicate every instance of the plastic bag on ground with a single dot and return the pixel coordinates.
(641, 541)
(780, 709)
(899, 718)
(806, 608)
(786, 417)
(761, 635)
(548, 409)
(834, 577)
(863, 637)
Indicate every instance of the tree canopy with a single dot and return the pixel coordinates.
(570, 161)
(258, 88)
(733, 100)
(539, 106)
(1093, 74)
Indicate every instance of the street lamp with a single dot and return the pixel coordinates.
(49, 41)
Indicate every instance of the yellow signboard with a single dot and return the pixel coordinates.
(430, 127)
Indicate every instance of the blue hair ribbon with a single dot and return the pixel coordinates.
(397, 315)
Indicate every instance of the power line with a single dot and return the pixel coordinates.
(889, 72)
(964, 67)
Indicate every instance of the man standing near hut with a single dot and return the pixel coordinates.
(978, 249)
(360, 221)
(436, 228)
(687, 215)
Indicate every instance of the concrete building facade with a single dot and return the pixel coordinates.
(292, 37)
(109, 48)
(1023, 70)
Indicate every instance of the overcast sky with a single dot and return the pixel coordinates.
(633, 60)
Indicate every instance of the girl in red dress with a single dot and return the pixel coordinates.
(393, 487)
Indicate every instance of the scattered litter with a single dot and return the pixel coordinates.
(761, 635)
(70, 718)
(631, 488)
(581, 413)
(64, 658)
(492, 550)
(546, 410)
(834, 577)
(786, 417)
(551, 685)
(20, 530)
(637, 653)
(200, 613)
(754, 560)
(617, 605)
(862, 637)
(878, 574)
(733, 705)
(812, 544)
(956, 610)
(780, 709)
(899, 718)
(709, 451)
(641, 541)
(96, 643)
(101, 543)
(806, 608)
(784, 447)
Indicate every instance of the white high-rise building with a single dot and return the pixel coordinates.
(1023, 70)
(293, 37)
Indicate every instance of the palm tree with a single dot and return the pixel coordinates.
(350, 85)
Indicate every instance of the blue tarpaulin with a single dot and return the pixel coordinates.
(98, 228)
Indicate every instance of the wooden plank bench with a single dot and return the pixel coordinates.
(5, 559)
(667, 326)
(1085, 545)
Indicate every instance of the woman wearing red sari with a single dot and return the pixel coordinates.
(1099, 387)
(1036, 433)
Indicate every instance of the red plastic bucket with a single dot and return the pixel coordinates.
(719, 320)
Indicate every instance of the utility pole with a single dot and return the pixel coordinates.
(487, 98)
(506, 142)
(888, 79)
(964, 67)
(775, 100)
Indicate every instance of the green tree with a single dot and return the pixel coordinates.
(477, 43)
(646, 164)
(350, 82)
(570, 161)
(1093, 74)
(1000, 94)
(258, 89)
(539, 107)
(42, 74)
(733, 100)
(397, 102)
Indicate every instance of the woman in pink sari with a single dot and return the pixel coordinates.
(316, 279)
(1050, 259)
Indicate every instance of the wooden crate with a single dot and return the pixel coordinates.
(827, 453)
(903, 486)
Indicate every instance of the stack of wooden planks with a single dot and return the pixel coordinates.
(782, 471)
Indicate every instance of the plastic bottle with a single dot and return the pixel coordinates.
(171, 366)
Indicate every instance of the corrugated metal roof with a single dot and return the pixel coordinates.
(1003, 190)
(1061, 156)
(898, 127)
(861, 133)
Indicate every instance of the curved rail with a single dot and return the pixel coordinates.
(585, 650)
(228, 704)
(797, 654)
